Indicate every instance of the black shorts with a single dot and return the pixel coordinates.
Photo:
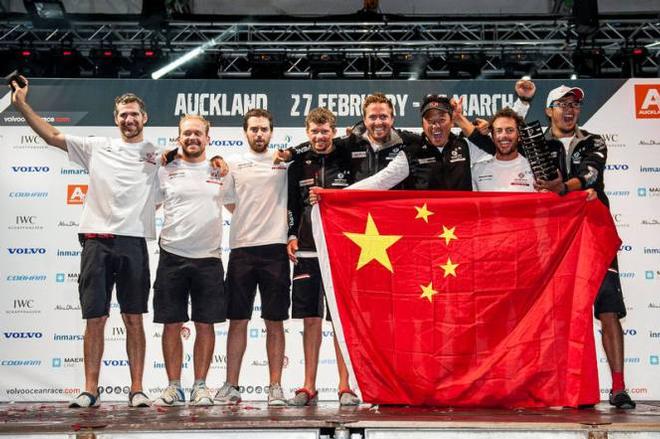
(179, 278)
(308, 294)
(122, 261)
(266, 267)
(610, 296)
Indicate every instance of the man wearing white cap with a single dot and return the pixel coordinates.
(581, 158)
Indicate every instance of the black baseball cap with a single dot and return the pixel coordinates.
(436, 102)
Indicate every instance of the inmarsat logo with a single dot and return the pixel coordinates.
(647, 101)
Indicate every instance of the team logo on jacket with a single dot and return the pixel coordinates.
(215, 177)
(456, 156)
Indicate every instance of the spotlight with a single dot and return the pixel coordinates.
(267, 65)
(587, 61)
(65, 62)
(519, 64)
(29, 62)
(326, 64)
(633, 61)
(107, 62)
(144, 60)
(408, 65)
(465, 64)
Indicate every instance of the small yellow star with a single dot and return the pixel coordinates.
(428, 292)
(423, 213)
(448, 234)
(449, 268)
(373, 245)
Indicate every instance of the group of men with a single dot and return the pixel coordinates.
(270, 202)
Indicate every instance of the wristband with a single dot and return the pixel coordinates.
(525, 99)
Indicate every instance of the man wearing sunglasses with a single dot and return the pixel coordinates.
(581, 158)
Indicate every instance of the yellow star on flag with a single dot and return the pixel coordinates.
(373, 245)
(423, 213)
(449, 268)
(428, 292)
(448, 234)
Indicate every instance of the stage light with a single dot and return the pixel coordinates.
(107, 62)
(326, 64)
(29, 62)
(408, 65)
(66, 62)
(144, 61)
(267, 65)
(465, 64)
(519, 64)
(587, 61)
(193, 53)
(633, 61)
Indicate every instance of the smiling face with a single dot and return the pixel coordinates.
(505, 137)
(564, 114)
(320, 136)
(130, 120)
(437, 127)
(193, 138)
(378, 119)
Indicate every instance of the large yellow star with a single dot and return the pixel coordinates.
(449, 268)
(423, 213)
(448, 234)
(428, 292)
(373, 245)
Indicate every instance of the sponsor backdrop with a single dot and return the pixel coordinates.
(41, 331)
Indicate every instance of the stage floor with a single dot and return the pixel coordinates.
(117, 420)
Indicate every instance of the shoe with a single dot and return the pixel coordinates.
(348, 398)
(200, 395)
(304, 397)
(276, 396)
(171, 396)
(228, 395)
(622, 400)
(138, 399)
(84, 400)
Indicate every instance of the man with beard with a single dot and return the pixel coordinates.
(257, 238)
(189, 267)
(507, 170)
(581, 158)
(119, 213)
(327, 167)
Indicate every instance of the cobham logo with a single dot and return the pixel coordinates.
(75, 193)
(647, 101)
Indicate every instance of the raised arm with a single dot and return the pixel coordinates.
(46, 131)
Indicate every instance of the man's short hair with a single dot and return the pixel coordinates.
(321, 115)
(376, 98)
(185, 117)
(508, 113)
(128, 98)
(257, 112)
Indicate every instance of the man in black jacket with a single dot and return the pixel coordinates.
(581, 158)
(322, 165)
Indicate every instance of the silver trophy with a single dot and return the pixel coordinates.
(537, 152)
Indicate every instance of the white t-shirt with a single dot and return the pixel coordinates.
(122, 185)
(258, 188)
(503, 176)
(193, 195)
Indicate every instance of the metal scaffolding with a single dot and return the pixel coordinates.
(366, 49)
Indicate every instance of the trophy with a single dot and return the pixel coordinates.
(537, 152)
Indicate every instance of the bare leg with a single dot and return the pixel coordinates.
(135, 348)
(612, 340)
(203, 350)
(236, 342)
(172, 350)
(93, 346)
(311, 346)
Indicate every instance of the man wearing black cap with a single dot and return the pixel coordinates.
(581, 157)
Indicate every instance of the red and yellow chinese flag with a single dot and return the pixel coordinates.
(466, 299)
